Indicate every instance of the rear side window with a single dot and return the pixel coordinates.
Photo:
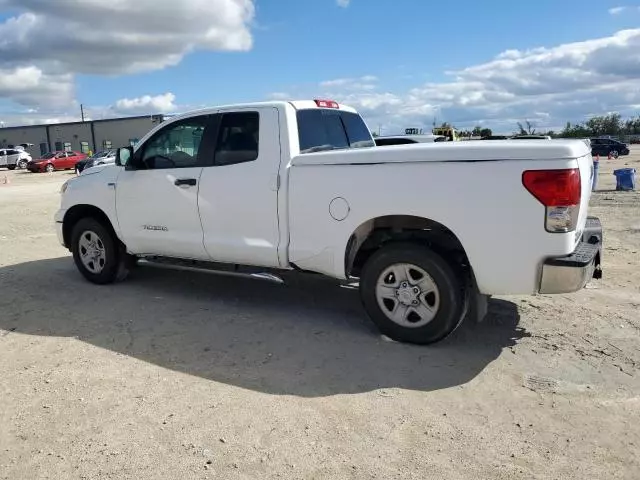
(327, 129)
(238, 139)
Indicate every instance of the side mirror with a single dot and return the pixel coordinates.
(124, 156)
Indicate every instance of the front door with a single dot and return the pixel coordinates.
(157, 203)
(239, 193)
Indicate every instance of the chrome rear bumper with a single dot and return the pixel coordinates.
(571, 273)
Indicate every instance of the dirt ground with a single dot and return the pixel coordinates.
(182, 376)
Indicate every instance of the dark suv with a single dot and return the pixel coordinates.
(607, 146)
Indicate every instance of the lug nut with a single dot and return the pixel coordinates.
(416, 290)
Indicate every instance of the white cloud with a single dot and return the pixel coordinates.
(545, 85)
(54, 40)
(343, 3)
(619, 10)
(164, 103)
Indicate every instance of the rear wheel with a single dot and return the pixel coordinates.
(97, 252)
(11, 167)
(614, 153)
(412, 294)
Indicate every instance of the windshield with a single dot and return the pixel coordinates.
(49, 155)
(322, 129)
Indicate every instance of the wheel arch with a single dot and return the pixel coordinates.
(377, 232)
(77, 213)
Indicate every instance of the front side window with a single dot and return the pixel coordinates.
(238, 138)
(176, 146)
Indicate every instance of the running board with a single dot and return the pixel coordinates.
(206, 267)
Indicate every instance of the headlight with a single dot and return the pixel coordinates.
(64, 187)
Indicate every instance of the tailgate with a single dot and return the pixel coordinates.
(585, 164)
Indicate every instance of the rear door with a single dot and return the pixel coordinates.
(70, 161)
(3, 158)
(12, 157)
(238, 197)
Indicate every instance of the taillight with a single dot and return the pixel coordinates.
(559, 191)
(327, 104)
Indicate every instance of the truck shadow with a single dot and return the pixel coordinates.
(310, 338)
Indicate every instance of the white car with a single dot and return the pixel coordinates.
(106, 157)
(13, 158)
(429, 231)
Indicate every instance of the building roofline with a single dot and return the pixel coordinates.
(88, 122)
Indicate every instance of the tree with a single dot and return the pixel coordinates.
(477, 131)
(529, 130)
(486, 132)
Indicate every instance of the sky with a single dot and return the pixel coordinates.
(401, 63)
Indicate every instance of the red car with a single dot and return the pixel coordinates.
(55, 161)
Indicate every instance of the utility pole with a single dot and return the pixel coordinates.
(82, 111)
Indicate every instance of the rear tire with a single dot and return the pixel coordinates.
(97, 253)
(412, 294)
(11, 167)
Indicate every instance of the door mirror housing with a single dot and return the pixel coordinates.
(124, 156)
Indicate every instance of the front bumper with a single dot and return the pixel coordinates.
(572, 273)
(59, 218)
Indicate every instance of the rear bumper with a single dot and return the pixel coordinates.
(572, 273)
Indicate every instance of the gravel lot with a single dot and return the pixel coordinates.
(183, 376)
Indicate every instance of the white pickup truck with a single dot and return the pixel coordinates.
(429, 231)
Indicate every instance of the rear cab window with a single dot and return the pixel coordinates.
(322, 129)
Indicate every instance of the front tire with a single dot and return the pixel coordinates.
(412, 294)
(97, 253)
(49, 168)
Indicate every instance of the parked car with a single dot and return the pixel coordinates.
(407, 139)
(255, 189)
(23, 159)
(9, 158)
(55, 161)
(106, 157)
(608, 146)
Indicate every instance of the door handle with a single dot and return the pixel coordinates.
(191, 182)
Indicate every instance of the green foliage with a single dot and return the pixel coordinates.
(611, 124)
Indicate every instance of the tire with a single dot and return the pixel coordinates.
(440, 300)
(49, 168)
(110, 263)
(22, 164)
(11, 167)
(614, 153)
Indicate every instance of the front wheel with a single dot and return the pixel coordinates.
(614, 154)
(97, 253)
(49, 168)
(22, 164)
(412, 294)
